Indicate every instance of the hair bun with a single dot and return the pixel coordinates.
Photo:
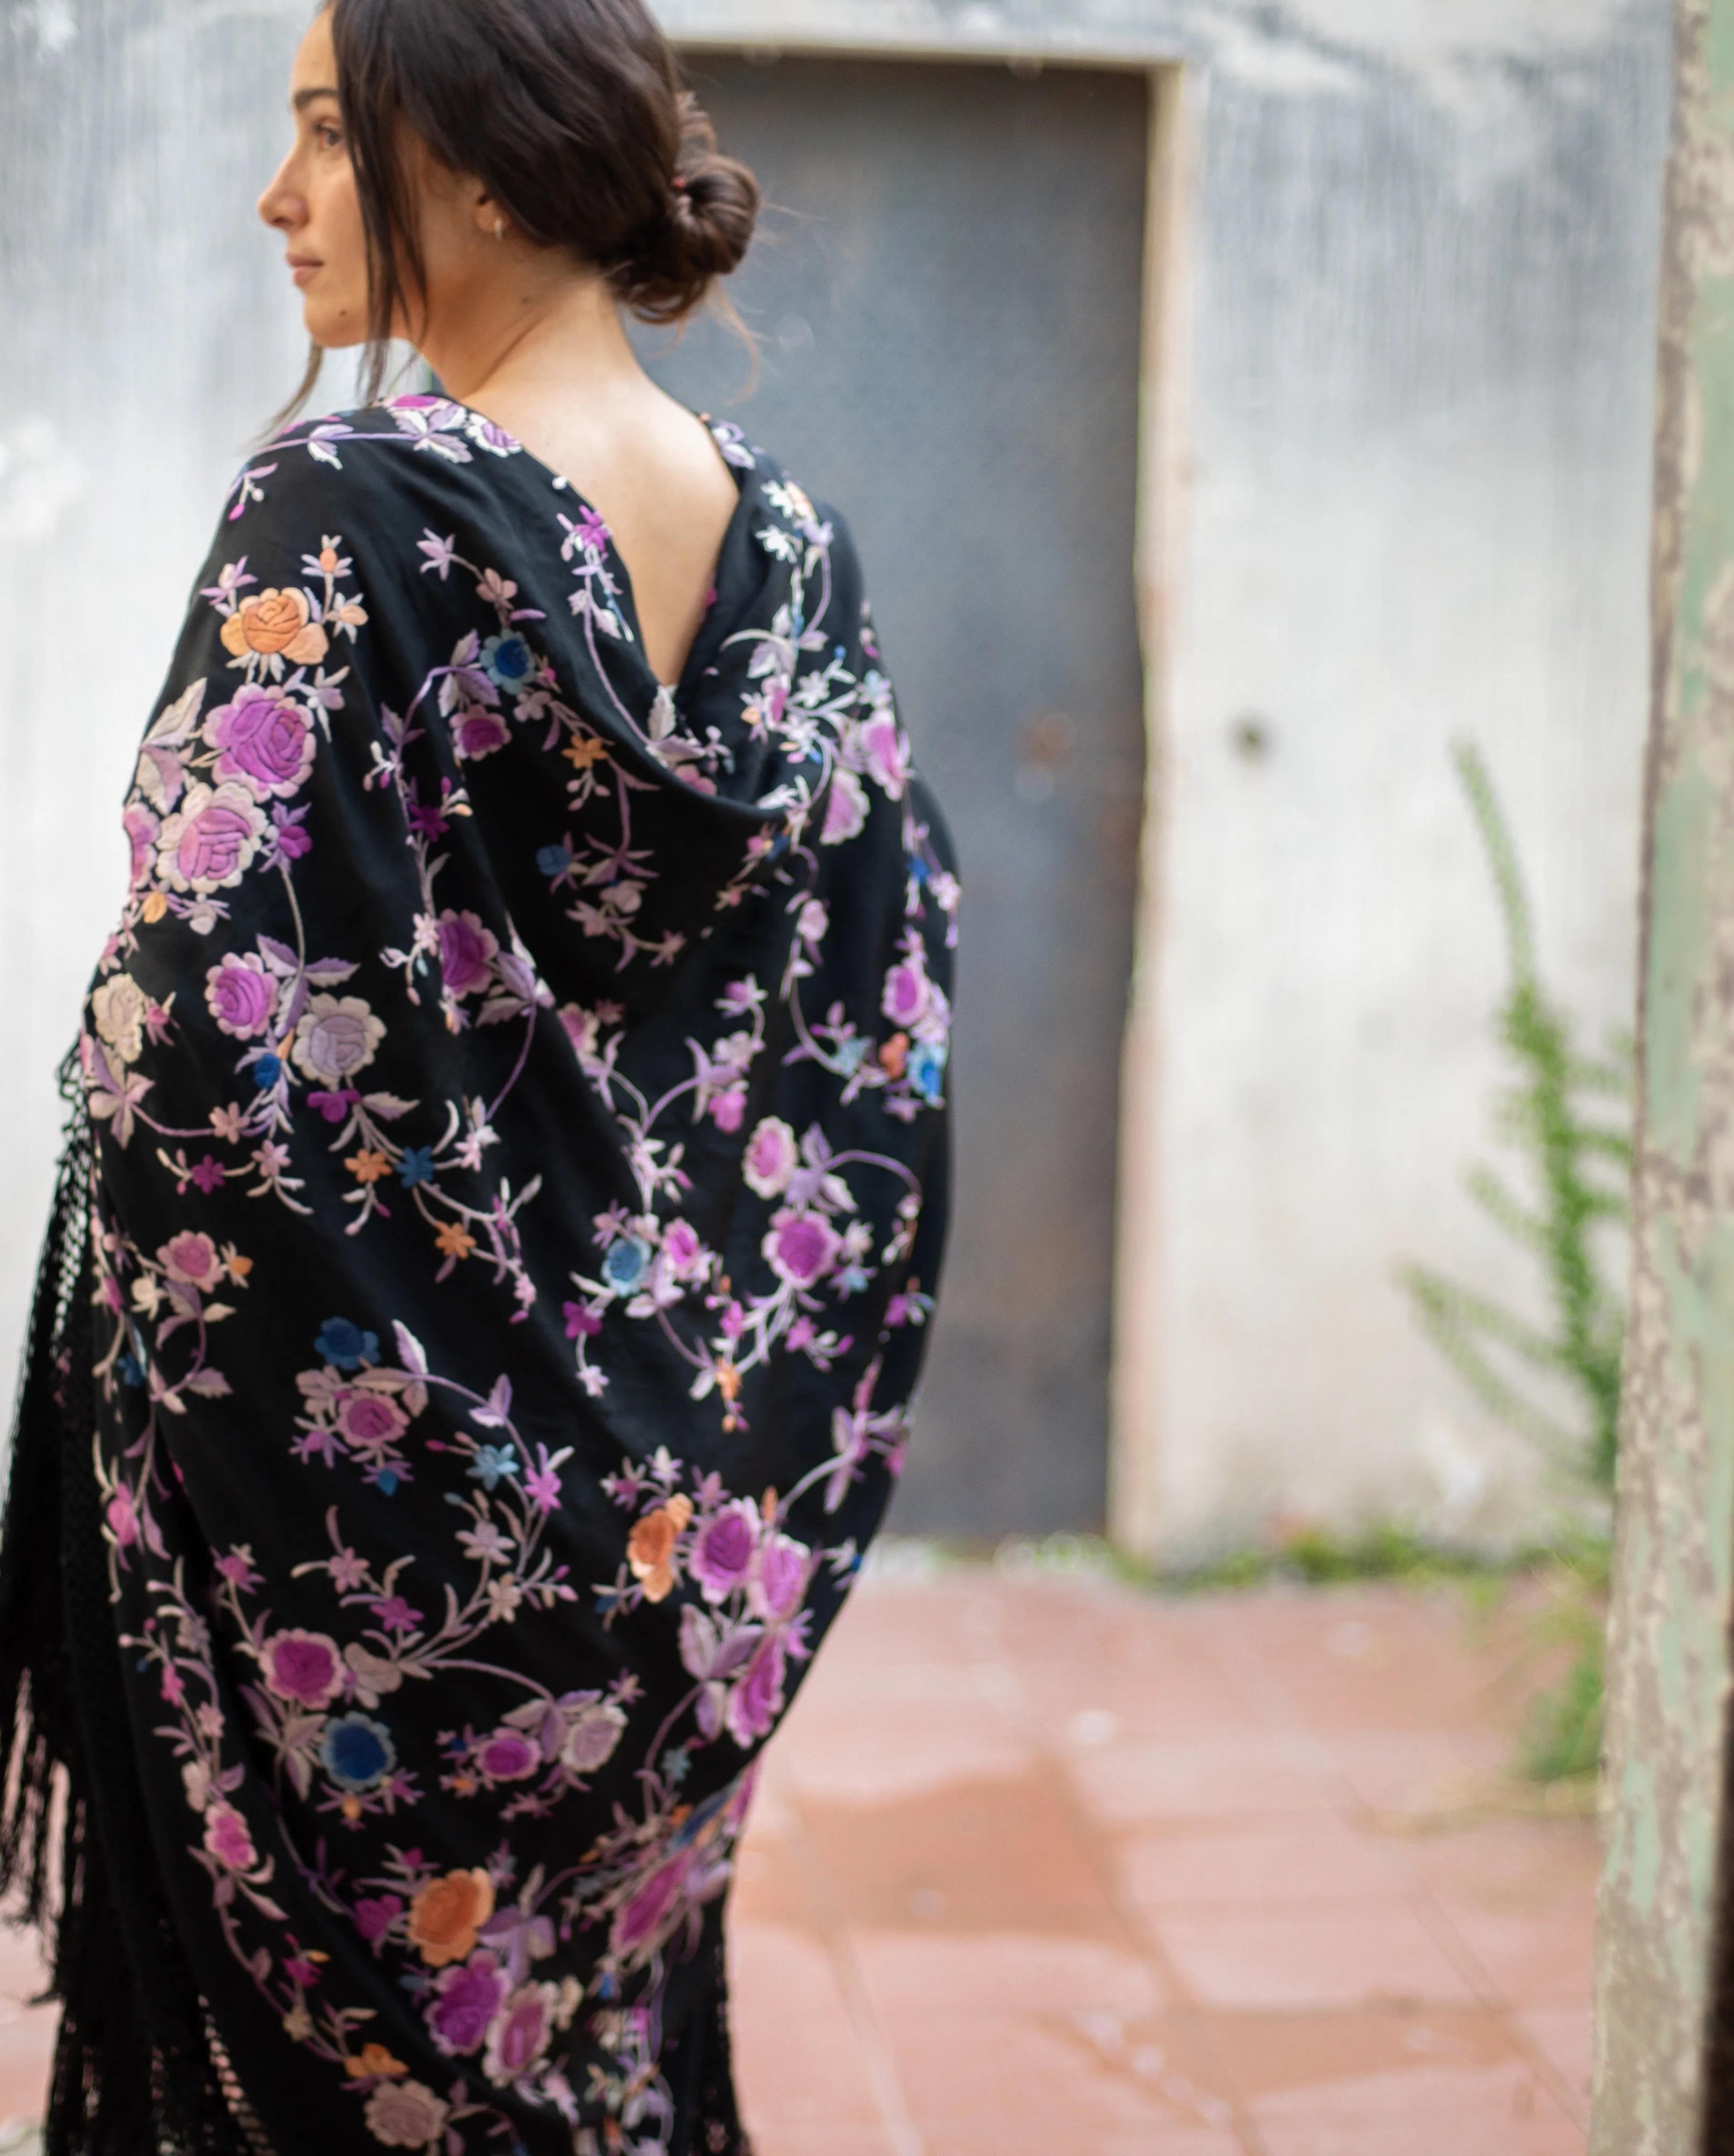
(703, 233)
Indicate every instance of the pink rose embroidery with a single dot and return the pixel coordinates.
(802, 1247)
(209, 842)
(191, 1259)
(227, 1839)
(265, 740)
(682, 1249)
(466, 953)
(240, 994)
(370, 1419)
(122, 1516)
(772, 1157)
(303, 1666)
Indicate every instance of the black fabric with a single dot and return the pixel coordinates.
(475, 1344)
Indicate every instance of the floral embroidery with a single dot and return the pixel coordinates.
(513, 1238)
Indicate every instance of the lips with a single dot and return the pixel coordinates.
(301, 267)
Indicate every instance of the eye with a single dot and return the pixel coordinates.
(328, 135)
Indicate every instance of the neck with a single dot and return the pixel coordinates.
(537, 327)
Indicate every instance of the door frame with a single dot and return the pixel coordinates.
(766, 31)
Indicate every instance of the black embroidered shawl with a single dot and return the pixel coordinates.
(476, 1338)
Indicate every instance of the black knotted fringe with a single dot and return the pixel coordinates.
(134, 2073)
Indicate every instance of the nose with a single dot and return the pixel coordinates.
(281, 206)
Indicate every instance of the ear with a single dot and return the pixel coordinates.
(487, 215)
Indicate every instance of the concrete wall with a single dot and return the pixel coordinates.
(1397, 489)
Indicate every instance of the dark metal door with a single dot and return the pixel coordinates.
(946, 292)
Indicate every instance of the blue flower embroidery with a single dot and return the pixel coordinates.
(626, 1263)
(357, 1752)
(346, 1345)
(509, 659)
(417, 1166)
(491, 1462)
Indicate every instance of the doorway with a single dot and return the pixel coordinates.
(947, 298)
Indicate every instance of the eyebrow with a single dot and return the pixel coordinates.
(303, 98)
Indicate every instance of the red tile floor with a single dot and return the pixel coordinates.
(1051, 1868)
(1046, 1867)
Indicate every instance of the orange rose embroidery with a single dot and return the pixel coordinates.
(275, 621)
(444, 1917)
(650, 1547)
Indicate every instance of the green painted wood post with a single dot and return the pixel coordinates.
(1657, 1947)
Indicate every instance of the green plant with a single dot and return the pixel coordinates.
(1555, 1113)
(1558, 1383)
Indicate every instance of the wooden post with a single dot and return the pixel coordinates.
(1661, 2078)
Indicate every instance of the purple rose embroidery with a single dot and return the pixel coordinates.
(209, 842)
(772, 1157)
(265, 740)
(802, 1247)
(508, 1756)
(465, 2000)
(303, 1666)
(140, 827)
(907, 992)
(779, 1576)
(519, 2035)
(476, 732)
(336, 1035)
(757, 1699)
(240, 994)
(467, 951)
(723, 1550)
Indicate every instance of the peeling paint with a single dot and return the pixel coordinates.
(1668, 1675)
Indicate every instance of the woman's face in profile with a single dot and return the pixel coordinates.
(312, 200)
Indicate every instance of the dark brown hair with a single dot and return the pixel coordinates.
(572, 115)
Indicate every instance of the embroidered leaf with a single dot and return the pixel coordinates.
(497, 1408)
(410, 1350)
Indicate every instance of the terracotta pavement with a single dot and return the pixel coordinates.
(1048, 1867)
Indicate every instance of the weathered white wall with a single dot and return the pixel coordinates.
(1410, 500)
(1403, 495)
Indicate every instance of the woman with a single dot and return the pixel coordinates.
(475, 1342)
